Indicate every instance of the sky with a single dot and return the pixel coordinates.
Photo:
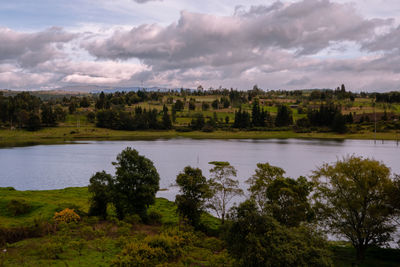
(47, 44)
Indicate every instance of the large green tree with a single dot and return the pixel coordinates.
(285, 199)
(194, 191)
(353, 200)
(136, 183)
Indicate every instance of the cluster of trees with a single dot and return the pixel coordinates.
(261, 118)
(130, 191)
(27, 111)
(106, 101)
(140, 119)
(392, 97)
(280, 223)
(339, 93)
(329, 116)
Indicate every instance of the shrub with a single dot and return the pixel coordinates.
(78, 245)
(51, 250)
(18, 207)
(133, 219)
(154, 217)
(139, 254)
(88, 233)
(153, 250)
(67, 215)
(77, 209)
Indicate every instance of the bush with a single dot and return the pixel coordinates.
(67, 215)
(255, 239)
(154, 218)
(51, 250)
(139, 254)
(77, 209)
(133, 219)
(18, 207)
(153, 250)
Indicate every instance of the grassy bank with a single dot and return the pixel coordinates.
(97, 243)
(9, 138)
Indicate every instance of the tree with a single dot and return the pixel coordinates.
(33, 123)
(197, 122)
(339, 123)
(205, 106)
(285, 199)
(84, 102)
(166, 119)
(49, 118)
(179, 105)
(222, 187)
(255, 239)
(352, 200)
(192, 104)
(284, 116)
(259, 182)
(194, 191)
(136, 183)
(215, 104)
(100, 187)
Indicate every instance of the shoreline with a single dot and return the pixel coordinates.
(67, 135)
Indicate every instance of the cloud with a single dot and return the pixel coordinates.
(30, 49)
(305, 27)
(285, 45)
(145, 1)
(258, 44)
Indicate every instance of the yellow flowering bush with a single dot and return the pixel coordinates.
(67, 216)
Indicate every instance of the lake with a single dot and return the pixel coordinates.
(59, 166)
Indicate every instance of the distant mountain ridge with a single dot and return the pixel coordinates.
(111, 89)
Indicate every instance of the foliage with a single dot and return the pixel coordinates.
(197, 122)
(255, 239)
(154, 217)
(152, 250)
(166, 119)
(122, 120)
(51, 250)
(242, 119)
(352, 200)
(179, 105)
(136, 183)
(285, 199)
(259, 182)
(67, 216)
(18, 207)
(222, 187)
(100, 188)
(284, 116)
(258, 115)
(194, 191)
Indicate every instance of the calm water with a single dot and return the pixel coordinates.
(60, 166)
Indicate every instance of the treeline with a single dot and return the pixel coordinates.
(325, 116)
(27, 111)
(140, 119)
(392, 97)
